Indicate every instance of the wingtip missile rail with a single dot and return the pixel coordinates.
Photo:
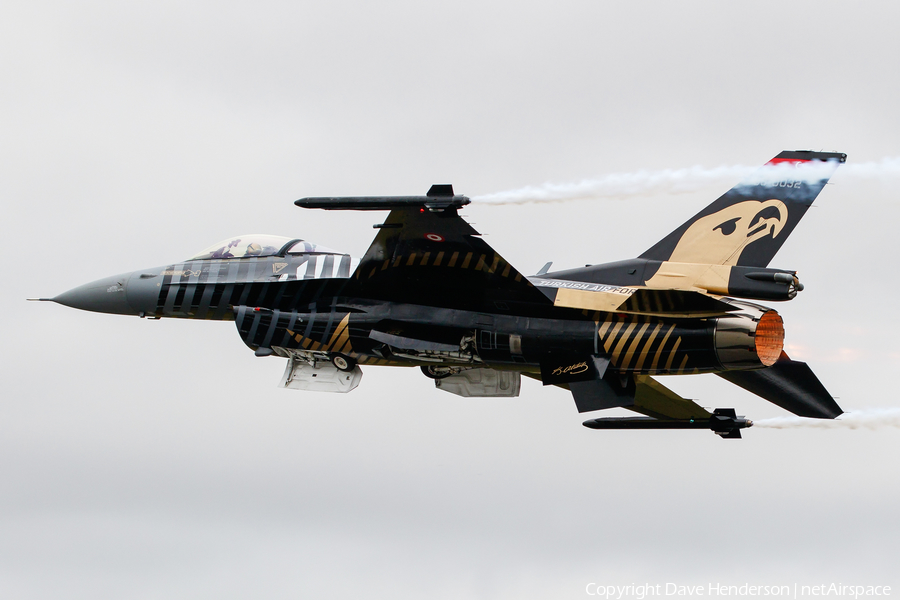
(724, 422)
(438, 198)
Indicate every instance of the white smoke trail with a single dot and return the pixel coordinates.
(668, 181)
(870, 418)
(885, 169)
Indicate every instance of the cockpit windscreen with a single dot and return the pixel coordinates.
(245, 246)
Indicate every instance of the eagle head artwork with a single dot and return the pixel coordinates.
(721, 237)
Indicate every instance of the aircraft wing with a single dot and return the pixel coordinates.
(655, 400)
(664, 409)
(640, 393)
(425, 253)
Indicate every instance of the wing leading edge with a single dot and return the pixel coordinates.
(425, 253)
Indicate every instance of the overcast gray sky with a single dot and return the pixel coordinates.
(147, 459)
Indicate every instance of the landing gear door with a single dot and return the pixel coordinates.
(321, 376)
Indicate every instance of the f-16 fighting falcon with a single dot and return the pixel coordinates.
(430, 293)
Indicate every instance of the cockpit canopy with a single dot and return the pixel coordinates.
(257, 245)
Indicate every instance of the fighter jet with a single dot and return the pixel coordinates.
(431, 293)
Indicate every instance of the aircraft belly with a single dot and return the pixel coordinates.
(387, 333)
(302, 315)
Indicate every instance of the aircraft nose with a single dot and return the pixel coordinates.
(104, 295)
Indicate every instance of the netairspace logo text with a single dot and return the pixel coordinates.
(648, 590)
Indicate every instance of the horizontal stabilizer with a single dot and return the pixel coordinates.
(789, 384)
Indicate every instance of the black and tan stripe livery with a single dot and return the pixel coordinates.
(431, 292)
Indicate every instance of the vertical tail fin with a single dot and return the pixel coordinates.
(748, 224)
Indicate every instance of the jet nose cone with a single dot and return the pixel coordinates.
(104, 295)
